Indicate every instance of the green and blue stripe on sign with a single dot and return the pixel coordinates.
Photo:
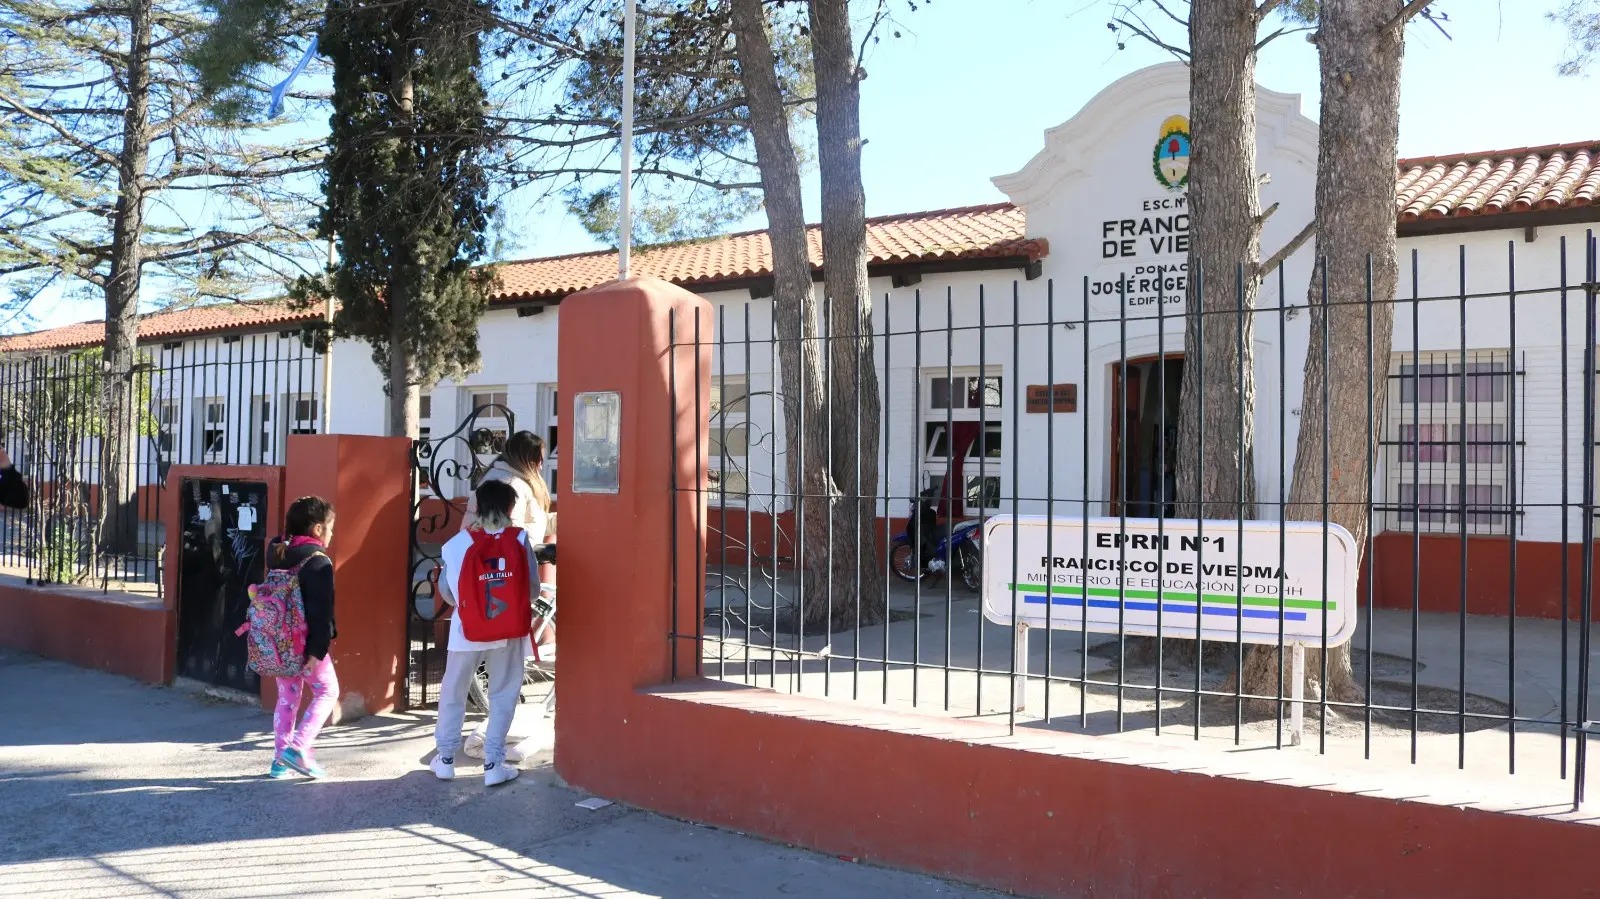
(1175, 602)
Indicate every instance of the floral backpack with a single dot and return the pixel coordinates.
(276, 624)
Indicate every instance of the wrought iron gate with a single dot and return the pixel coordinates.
(222, 553)
(443, 472)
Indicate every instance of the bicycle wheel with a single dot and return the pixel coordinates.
(905, 564)
(478, 690)
(971, 567)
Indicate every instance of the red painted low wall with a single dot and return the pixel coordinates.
(956, 799)
(128, 635)
(1437, 581)
(147, 498)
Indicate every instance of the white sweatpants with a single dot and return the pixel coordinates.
(505, 686)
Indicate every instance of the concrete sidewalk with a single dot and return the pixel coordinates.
(113, 789)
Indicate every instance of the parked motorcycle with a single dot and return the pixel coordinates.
(942, 546)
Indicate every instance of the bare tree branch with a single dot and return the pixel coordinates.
(1289, 249)
(1406, 14)
(23, 109)
(1142, 29)
(1287, 29)
(1266, 8)
(1182, 22)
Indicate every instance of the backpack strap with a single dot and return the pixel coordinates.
(296, 569)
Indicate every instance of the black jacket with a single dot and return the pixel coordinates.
(316, 591)
(13, 489)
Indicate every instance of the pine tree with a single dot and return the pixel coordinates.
(105, 138)
(407, 194)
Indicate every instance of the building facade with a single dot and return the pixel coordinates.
(1031, 351)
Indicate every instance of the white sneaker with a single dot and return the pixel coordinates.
(495, 775)
(442, 768)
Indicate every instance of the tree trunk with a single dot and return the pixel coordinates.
(1216, 429)
(1346, 385)
(854, 414)
(119, 441)
(794, 301)
(1216, 425)
(405, 394)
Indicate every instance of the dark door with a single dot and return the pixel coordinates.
(223, 552)
(1126, 387)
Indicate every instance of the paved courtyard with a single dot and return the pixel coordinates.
(114, 789)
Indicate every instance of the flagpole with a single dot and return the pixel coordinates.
(327, 355)
(625, 193)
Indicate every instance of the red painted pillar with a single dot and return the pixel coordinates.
(627, 556)
(368, 480)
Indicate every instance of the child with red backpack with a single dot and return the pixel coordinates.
(291, 625)
(488, 577)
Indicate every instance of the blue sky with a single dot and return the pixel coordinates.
(969, 89)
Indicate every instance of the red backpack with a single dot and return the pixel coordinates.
(494, 588)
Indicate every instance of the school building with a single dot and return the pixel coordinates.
(1071, 291)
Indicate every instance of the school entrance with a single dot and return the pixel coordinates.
(1144, 435)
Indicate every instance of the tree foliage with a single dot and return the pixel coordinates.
(244, 40)
(1581, 19)
(227, 212)
(406, 192)
(695, 165)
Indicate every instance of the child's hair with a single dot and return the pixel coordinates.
(496, 500)
(524, 454)
(302, 518)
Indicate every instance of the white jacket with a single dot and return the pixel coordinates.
(526, 514)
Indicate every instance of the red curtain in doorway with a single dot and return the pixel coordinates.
(952, 498)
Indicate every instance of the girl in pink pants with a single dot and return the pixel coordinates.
(287, 733)
(304, 549)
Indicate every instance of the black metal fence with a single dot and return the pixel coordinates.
(96, 516)
(1470, 503)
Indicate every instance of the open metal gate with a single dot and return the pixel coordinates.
(443, 472)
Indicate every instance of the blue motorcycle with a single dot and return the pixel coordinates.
(928, 549)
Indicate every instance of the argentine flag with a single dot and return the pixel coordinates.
(276, 106)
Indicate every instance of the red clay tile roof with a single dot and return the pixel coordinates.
(169, 325)
(1531, 179)
(1558, 176)
(997, 230)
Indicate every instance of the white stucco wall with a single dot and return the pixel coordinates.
(1094, 169)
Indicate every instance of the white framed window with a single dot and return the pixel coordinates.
(211, 429)
(166, 430)
(489, 396)
(274, 419)
(490, 430)
(264, 434)
(486, 440)
(304, 414)
(965, 407)
(424, 435)
(1447, 444)
(728, 444)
